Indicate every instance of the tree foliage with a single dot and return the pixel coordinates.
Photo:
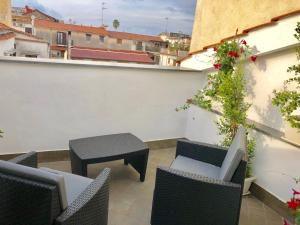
(178, 46)
(288, 99)
(116, 24)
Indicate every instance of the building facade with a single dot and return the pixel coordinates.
(23, 19)
(213, 23)
(5, 12)
(59, 35)
(18, 43)
(173, 38)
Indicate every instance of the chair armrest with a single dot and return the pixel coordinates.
(207, 153)
(29, 159)
(189, 199)
(91, 206)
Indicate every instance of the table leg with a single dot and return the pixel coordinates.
(126, 162)
(78, 166)
(139, 163)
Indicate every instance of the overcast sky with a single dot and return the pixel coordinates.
(139, 16)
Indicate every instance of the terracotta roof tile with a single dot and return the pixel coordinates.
(3, 26)
(131, 36)
(70, 27)
(274, 19)
(210, 46)
(31, 40)
(111, 55)
(6, 35)
(29, 10)
(258, 27)
(233, 37)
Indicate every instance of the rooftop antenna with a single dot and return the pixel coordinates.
(102, 12)
(167, 23)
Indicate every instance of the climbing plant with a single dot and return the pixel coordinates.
(288, 99)
(227, 88)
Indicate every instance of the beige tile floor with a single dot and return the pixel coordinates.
(130, 200)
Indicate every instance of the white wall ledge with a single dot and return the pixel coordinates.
(91, 63)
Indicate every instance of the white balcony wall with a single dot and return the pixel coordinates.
(274, 157)
(44, 105)
(275, 164)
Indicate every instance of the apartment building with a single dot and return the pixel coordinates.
(23, 19)
(173, 37)
(136, 42)
(62, 36)
(59, 35)
(14, 42)
(5, 12)
(28, 11)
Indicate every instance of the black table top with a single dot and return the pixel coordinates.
(107, 146)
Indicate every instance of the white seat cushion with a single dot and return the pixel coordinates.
(37, 175)
(196, 167)
(235, 154)
(74, 184)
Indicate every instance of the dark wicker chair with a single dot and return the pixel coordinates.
(28, 202)
(182, 198)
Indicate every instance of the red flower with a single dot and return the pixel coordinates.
(254, 58)
(294, 203)
(242, 50)
(215, 49)
(233, 54)
(285, 222)
(218, 66)
(244, 42)
(296, 192)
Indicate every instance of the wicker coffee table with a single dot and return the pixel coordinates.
(109, 148)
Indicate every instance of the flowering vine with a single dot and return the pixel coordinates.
(288, 99)
(227, 87)
(294, 206)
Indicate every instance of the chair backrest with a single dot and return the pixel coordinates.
(234, 156)
(30, 193)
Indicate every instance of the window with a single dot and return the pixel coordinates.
(61, 38)
(101, 39)
(139, 46)
(28, 30)
(119, 41)
(88, 37)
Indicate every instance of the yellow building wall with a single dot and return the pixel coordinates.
(5, 12)
(218, 19)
